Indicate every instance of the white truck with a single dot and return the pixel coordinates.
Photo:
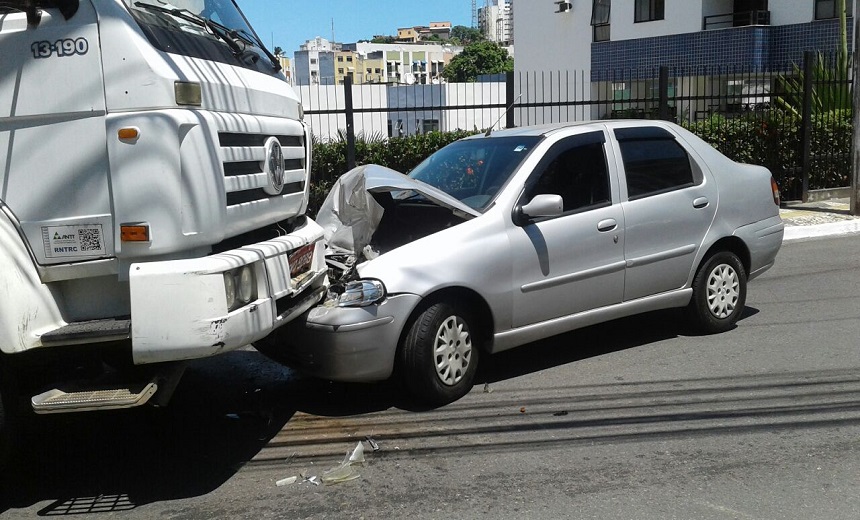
(154, 177)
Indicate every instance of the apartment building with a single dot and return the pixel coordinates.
(407, 64)
(496, 21)
(314, 63)
(606, 39)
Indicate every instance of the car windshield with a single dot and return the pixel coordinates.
(474, 170)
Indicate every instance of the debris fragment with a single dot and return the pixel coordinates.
(345, 471)
(286, 481)
(523, 409)
(342, 473)
(357, 456)
(561, 413)
(487, 389)
(373, 444)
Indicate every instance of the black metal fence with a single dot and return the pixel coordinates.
(796, 120)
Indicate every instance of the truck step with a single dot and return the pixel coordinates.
(97, 331)
(59, 401)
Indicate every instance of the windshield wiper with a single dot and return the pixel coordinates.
(254, 40)
(220, 31)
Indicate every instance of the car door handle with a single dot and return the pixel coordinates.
(701, 202)
(607, 225)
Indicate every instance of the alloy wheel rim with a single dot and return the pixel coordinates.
(452, 350)
(723, 291)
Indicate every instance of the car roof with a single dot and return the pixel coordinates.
(547, 129)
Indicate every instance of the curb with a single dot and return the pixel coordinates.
(845, 227)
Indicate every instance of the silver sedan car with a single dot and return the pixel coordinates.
(499, 240)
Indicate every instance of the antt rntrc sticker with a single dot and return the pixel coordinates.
(273, 166)
(73, 241)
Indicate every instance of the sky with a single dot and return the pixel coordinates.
(289, 23)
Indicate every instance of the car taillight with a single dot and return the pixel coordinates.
(775, 188)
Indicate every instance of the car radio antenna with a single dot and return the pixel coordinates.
(490, 130)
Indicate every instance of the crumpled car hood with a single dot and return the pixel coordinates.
(350, 215)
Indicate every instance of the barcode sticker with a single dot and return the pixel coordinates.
(73, 241)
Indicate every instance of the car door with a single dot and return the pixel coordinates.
(669, 207)
(574, 261)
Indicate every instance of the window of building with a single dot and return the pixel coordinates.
(340, 70)
(313, 61)
(654, 162)
(429, 125)
(648, 10)
(349, 59)
(340, 59)
(826, 9)
(600, 20)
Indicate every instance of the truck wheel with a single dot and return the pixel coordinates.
(439, 355)
(6, 433)
(719, 293)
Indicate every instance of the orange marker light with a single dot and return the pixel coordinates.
(128, 134)
(134, 233)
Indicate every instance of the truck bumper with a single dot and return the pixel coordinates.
(179, 308)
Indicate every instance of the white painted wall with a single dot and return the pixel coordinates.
(547, 40)
(681, 16)
(788, 12)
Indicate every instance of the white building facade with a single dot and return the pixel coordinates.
(619, 44)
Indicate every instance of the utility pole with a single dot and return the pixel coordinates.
(855, 170)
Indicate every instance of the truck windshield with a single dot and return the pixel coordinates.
(209, 29)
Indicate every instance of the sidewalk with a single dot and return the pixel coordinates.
(818, 219)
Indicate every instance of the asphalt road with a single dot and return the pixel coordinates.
(634, 419)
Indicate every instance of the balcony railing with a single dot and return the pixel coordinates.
(739, 19)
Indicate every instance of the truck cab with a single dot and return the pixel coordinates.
(154, 178)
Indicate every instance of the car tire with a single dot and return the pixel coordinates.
(719, 293)
(439, 354)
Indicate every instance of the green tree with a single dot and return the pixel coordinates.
(483, 57)
(460, 34)
(279, 51)
(384, 39)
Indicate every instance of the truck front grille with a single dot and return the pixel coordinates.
(244, 156)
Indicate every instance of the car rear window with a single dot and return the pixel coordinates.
(654, 163)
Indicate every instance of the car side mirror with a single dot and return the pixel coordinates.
(544, 205)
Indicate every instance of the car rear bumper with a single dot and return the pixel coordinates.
(179, 308)
(356, 344)
(763, 238)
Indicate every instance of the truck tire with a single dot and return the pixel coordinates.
(6, 433)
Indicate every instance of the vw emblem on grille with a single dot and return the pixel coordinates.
(273, 166)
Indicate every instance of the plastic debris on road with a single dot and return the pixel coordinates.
(373, 444)
(345, 471)
(286, 481)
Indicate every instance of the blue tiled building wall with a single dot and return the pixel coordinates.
(763, 48)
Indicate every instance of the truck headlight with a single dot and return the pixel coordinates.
(240, 287)
(357, 293)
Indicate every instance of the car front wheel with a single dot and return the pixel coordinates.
(719, 293)
(439, 355)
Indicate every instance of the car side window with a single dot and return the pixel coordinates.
(579, 174)
(654, 163)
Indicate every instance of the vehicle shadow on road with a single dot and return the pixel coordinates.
(588, 342)
(226, 411)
